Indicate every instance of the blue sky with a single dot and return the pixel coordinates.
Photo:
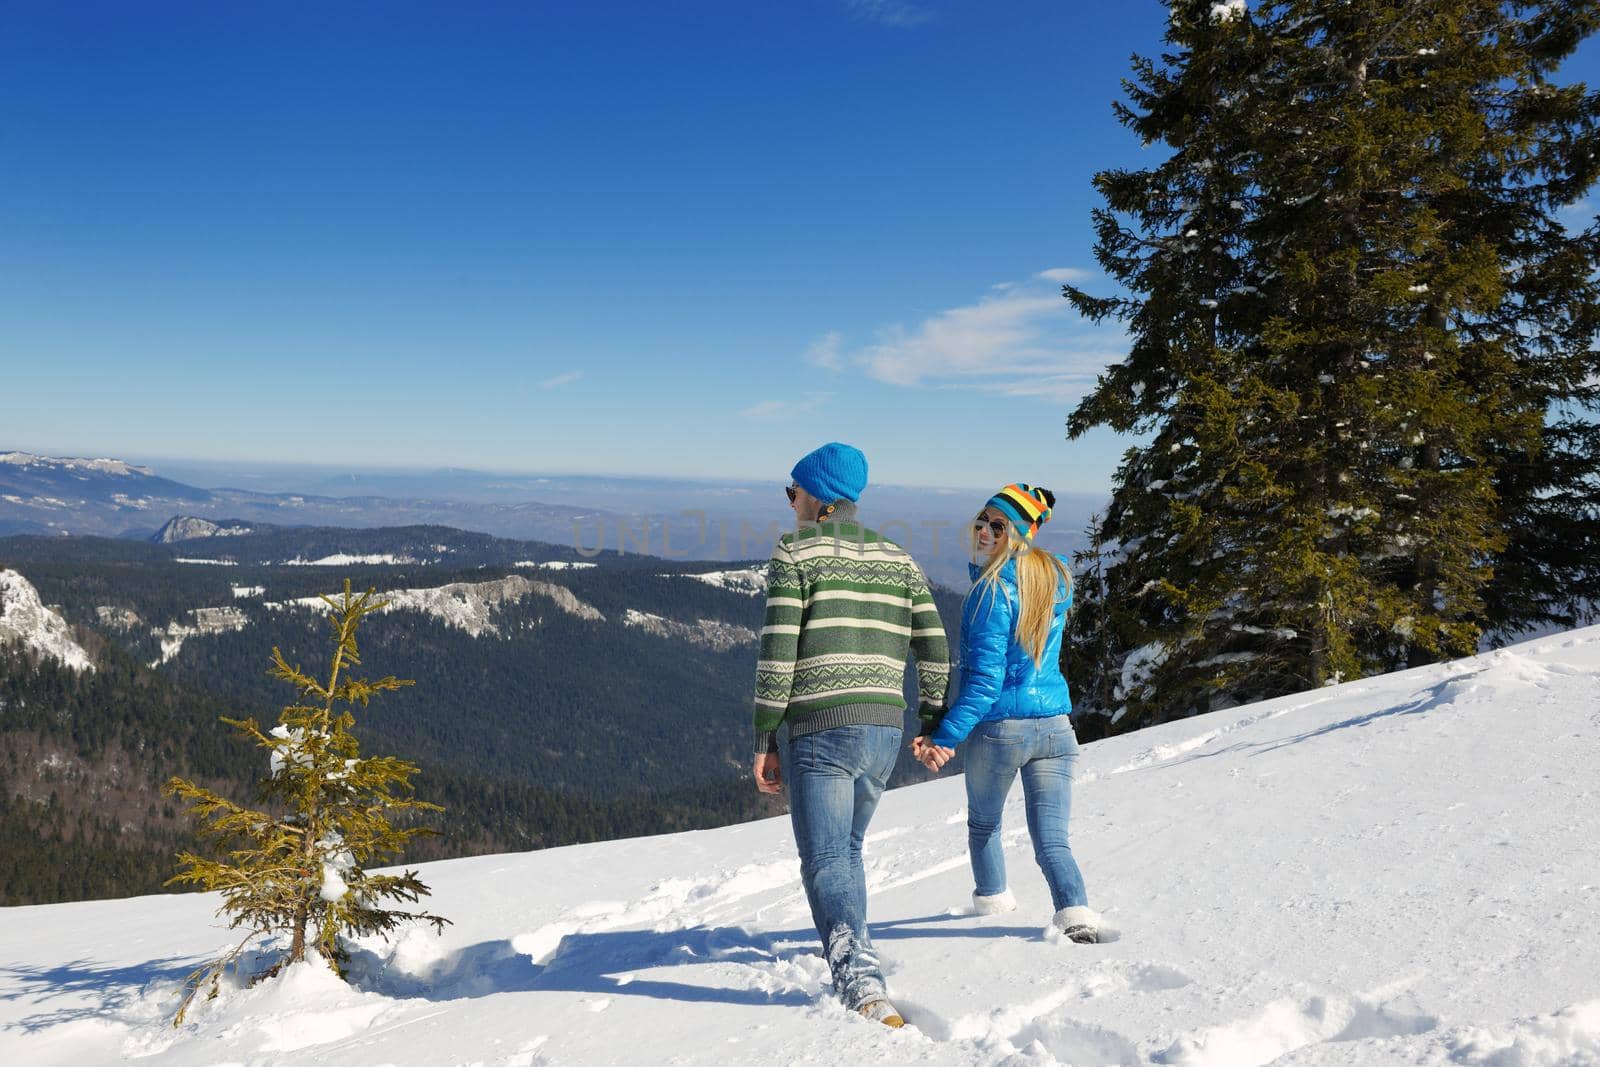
(690, 239)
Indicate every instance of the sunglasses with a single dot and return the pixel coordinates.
(996, 526)
(789, 491)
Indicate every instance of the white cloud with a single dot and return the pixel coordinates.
(1578, 214)
(824, 351)
(1019, 341)
(561, 379)
(786, 409)
(895, 13)
(1065, 274)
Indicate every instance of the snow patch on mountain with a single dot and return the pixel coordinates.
(99, 466)
(341, 559)
(206, 621)
(751, 580)
(190, 528)
(208, 562)
(118, 618)
(25, 620)
(554, 565)
(707, 633)
(466, 606)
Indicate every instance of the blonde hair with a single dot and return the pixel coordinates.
(1039, 575)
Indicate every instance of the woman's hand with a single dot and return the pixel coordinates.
(930, 755)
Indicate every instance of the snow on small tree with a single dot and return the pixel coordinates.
(298, 867)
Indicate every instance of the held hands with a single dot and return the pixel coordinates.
(930, 755)
(769, 773)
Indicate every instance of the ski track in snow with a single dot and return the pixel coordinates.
(1367, 874)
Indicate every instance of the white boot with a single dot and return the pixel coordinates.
(1079, 924)
(1000, 902)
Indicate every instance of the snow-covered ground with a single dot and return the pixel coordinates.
(1399, 870)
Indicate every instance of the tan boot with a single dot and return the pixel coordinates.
(884, 1012)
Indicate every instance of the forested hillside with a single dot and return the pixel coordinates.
(552, 704)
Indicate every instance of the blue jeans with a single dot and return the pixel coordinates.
(1044, 750)
(835, 779)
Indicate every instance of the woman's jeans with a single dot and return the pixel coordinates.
(835, 779)
(1045, 751)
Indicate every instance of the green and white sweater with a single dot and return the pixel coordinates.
(844, 606)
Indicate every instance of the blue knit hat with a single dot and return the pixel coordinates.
(832, 472)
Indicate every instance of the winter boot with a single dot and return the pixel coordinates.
(995, 904)
(1079, 924)
(881, 1011)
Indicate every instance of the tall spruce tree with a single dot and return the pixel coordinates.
(297, 867)
(1362, 344)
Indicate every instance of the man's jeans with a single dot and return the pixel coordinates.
(1044, 750)
(835, 779)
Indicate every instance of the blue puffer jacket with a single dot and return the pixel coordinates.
(998, 678)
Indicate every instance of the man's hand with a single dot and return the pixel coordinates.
(769, 773)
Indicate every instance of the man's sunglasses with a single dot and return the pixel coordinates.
(997, 526)
(789, 491)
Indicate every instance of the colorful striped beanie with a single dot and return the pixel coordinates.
(1027, 506)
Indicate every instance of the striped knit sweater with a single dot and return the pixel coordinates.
(844, 606)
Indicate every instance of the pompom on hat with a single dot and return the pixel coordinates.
(1027, 506)
(833, 472)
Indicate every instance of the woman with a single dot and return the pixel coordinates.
(1014, 705)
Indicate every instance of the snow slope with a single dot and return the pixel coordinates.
(1398, 870)
(25, 620)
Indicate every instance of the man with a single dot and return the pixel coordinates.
(844, 606)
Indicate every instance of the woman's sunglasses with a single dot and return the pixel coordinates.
(997, 526)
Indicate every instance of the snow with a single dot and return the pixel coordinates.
(708, 633)
(207, 621)
(554, 565)
(751, 580)
(1227, 10)
(25, 620)
(1138, 665)
(466, 606)
(341, 559)
(212, 562)
(244, 592)
(1400, 870)
(190, 528)
(101, 466)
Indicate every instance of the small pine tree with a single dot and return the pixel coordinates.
(302, 873)
(1088, 655)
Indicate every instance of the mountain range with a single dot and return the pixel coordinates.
(676, 518)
